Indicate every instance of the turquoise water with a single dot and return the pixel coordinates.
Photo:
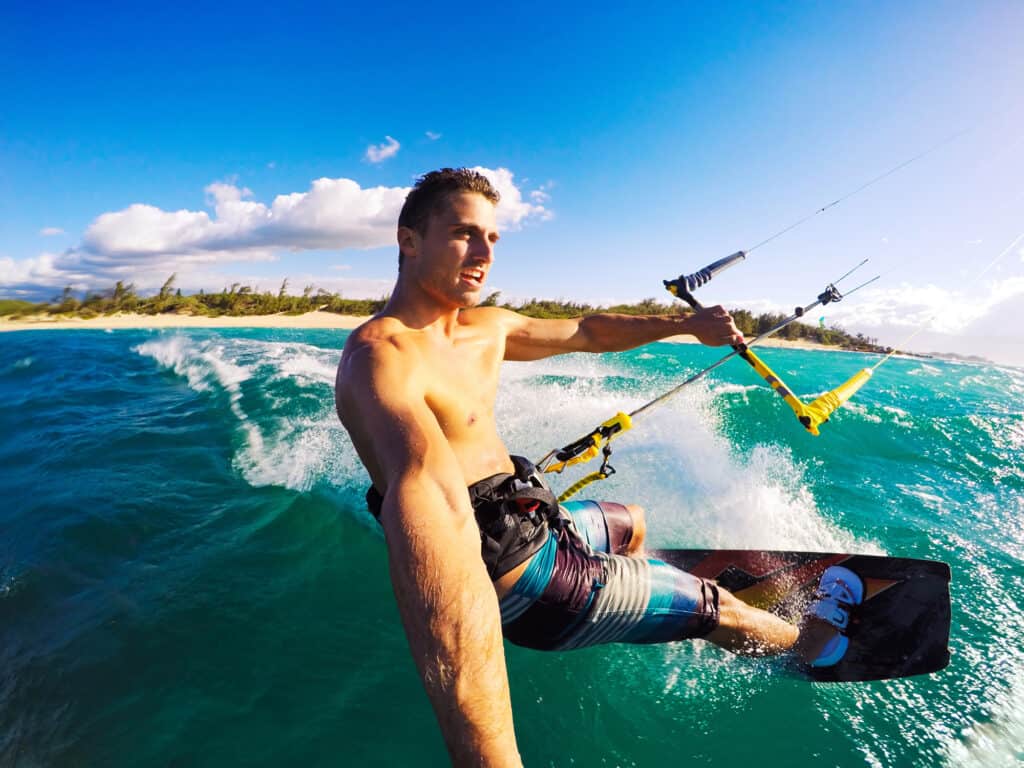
(188, 576)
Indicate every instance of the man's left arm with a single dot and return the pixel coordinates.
(530, 338)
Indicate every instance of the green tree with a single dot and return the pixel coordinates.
(67, 302)
(165, 289)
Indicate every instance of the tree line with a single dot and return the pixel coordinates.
(241, 300)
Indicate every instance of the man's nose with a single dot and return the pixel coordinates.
(483, 250)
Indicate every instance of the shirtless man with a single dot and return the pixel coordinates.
(415, 389)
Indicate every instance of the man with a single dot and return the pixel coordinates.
(416, 388)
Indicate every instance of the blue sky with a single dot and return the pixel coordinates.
(235, 143)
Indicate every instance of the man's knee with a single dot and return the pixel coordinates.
(639, 529)
(734, 612)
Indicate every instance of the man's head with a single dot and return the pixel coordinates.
(431, 193)
(446, 236)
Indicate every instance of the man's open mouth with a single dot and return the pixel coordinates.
(475, 276)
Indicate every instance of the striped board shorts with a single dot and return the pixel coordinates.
(581, 590)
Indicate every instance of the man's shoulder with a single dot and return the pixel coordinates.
(381, 334)
(382, 345)
(498, 316)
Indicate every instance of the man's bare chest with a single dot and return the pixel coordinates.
(461, 386)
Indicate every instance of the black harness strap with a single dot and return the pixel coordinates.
(513, 512)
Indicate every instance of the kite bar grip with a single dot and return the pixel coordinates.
(684, 284)
(703, 276)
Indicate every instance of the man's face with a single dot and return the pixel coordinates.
(451, 260)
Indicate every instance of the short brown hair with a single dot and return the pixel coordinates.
(431, 192)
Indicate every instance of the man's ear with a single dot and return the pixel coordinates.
(408, 241)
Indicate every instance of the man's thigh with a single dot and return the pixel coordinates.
(605, 526)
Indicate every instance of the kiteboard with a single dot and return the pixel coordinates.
(900, 629)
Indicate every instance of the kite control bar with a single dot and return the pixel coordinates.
(811, 415)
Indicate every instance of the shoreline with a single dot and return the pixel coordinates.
(131, 320)
(313, 320)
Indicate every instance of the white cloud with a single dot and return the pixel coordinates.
(51, 231)
(333, 213)
(378, 153)
(45, 269)
(512, 210)
(904, 308)
(954, 315)
(433, 136)
(144, 244)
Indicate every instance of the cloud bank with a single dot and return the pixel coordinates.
(144, 244)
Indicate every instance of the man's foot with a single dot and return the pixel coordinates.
(839, 590)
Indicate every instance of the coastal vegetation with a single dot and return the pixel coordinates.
(243, 300)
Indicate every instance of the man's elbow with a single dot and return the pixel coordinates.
(588, 337)
(416, 497)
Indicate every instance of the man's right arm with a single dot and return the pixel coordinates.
(446, 600)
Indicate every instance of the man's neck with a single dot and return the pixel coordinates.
(420, 311)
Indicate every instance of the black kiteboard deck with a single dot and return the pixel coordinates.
(901, 628)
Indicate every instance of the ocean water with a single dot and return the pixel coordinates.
(188, 576)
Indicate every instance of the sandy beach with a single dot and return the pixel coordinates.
(317, 319)
(128, 320)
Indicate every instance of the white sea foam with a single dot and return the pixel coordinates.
(929, 500)
(926, 370)
(208, 366)
(996, 738)
(862, 411)
(729, 388)
(298, 450)
(178, 354)
(896, 411)
(307, 369)
(303, 363)
(696, 490)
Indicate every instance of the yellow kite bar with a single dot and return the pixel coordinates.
(816, 413)
(821, 408)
